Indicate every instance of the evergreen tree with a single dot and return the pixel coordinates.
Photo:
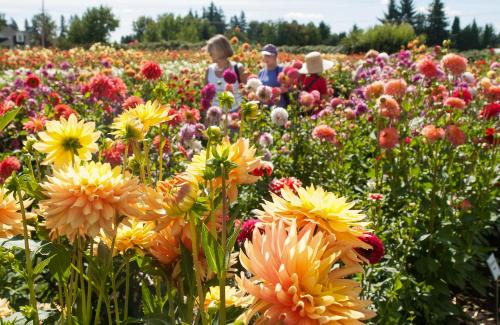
(62, 27)
(420, 24)
(475, 37)
(13, 24)
(488, 36)
(407, 11)
(243, 22)
(3, 21)
(436, 23)
(455, 31)
(392, 15)
(26, 25)
(324, 33)
(234, 22)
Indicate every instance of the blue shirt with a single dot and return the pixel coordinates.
(270, 78)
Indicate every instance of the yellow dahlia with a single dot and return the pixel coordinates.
(150, 114)
(65, 139)
(11, 220)
(83, 200)
(241, 154)
(132, 235)
(179, 193)
(292, 278)
(152, 205)
(5, 310)
(128, 127)
(331, 213)
(234, 297)
(165, 246)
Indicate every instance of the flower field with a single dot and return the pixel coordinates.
(127, 197)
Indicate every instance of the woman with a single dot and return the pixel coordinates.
(269, 75)
(311, 71)
(220, 51)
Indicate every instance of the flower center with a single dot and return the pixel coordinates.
(72, 144)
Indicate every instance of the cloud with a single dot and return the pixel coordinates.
(384, 2)
(302, 16)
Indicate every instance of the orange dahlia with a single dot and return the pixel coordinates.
(179, 194)
(165, 246)
(83, 200)
(11, 220)
(293, 281)
(132, 235)
(454, 63)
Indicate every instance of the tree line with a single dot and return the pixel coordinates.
(399, 22)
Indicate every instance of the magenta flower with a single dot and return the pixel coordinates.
(230, 76)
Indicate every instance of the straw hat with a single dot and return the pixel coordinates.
(315, 64)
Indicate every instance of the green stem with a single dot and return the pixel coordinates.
(127, 288)
(29, 264)
(199, 285)
(160, 169)
(222, 276)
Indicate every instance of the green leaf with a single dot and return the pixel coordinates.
(213, 250)
(8, 117)
(42, 265)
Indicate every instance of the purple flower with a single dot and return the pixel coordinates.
(230, 76)
(187, 132)
(361, 108)
(65, 65)
(214, 115)
(208, 92)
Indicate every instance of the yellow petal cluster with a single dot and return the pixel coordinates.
(84, 199)
(11, 220)
(64, 140)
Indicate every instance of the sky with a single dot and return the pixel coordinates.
(340, 15)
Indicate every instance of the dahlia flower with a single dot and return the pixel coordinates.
(132, 235)
(388, 138)
(241, 154)
(32, 81)
(230, 76)
(395, 87)
(165, 246)
(428, 68)
(151, 70)
(8, 166)
(374, 254)
(373, 90)
(388, 107)
(5, 310)
(85, 200)
(455, 135)
(325, 133)
(454, 63)
(65, 139)
(331, 213)
(432, 133)
(11, 220)
(150, 114)
(293, 281)
(179, 193)
(276, 185)
(212, 298)
(279, 116)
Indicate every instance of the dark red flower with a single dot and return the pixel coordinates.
(463, 93)
(32, 81)
(54, 98)
(114, 154)
(106, 87)
(375, 254)
(490, 111)
(265, 169)
(276, 185)
(230, 76)
(151, 70)
(246, 231)
(8, 166)
(166, 146)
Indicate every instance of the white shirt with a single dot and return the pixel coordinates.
(220, 86)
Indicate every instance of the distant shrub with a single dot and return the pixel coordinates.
(387, 37)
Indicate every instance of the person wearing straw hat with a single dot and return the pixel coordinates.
(311, 70)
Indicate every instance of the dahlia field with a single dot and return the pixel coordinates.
(127, 197)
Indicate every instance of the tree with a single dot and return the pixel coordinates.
(488, 38)
(43, 26)
(13, 24)
(234, 22)
(27, 26)
(63, 29)
(455, 31)
(139, 26)
(324, 33)
(215, 17)
(436, 23)
(392, 15)
(243, 22)
(3, 21)
(475, 37)
(95, 26)
(420, 24)
(407, 11)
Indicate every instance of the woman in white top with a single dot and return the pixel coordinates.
(220, 51)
